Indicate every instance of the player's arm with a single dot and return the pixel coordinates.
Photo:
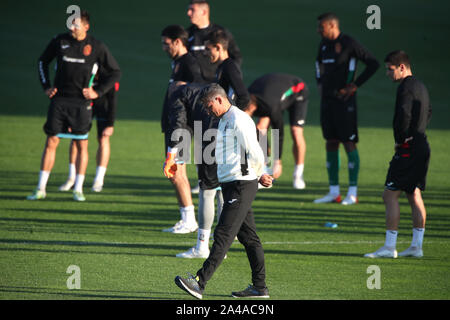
(46, 57)
(318, 68)
(403, 116)
(237, 83)
(110, 68)
(372, 65)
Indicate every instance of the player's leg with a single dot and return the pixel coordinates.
(297, 117)
(102, 160)
(329, 132)
(182, 188)
(262, 126)
(391, 202)
(73, 153)
(81, 166)
(353, 171)
(206, 208)
(53, 125)
(299, 151)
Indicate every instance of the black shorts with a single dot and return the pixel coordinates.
(409, 166)
(298, 110)
(101, 112)
(68, 112)
(339, 119)
(207, 176)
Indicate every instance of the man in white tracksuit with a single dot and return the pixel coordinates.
(240, 162)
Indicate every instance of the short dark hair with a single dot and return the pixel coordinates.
(210, 91)
(219, 36)
(85, 17)
(397, 58)
(328, 16)
(175, 31)
(198, 2)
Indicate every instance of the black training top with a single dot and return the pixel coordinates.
(276, 92)
(229, 77)
(186, 69)
(412, 109)
(337, 61)
(74, 63)
(196, 45)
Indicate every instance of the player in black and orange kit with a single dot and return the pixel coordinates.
(199, 15)
(270, 96)
(104, 110)
(184, 68)
(228, 74)
(336, 64)
(71, 95)
(409, 165)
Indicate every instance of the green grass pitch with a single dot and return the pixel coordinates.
(115, 237)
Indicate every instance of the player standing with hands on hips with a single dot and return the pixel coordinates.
(240, 162)
(335, 73)
(409, 165)
(71, 95)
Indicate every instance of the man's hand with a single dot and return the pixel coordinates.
(108, 132)
(277, 169)
(90, 94)
(347, 91)
(170, 167)
(50, 92)
(266, 180)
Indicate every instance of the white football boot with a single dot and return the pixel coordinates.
(194, 253)
(349, 200)
(383, 252)
(412, 252)
(67, 185)
(329, 198)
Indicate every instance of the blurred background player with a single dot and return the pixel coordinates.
(199, 15)
(185, 112)
(185, 68)
(71, 95)
(335, 73)
(409, 165)
(270, 95)
(228, 74)
(104, 110)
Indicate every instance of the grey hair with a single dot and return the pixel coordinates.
(210, 92)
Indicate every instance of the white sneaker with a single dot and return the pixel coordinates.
(97, 186)
(383, 252)
(194, 253)
(412, 252)
(299, 183)
(349, 200)
(186, 228)
(176, 226)
(78, 196)
(195, 190)
(67, 185)
(329, 198)
(37, 195)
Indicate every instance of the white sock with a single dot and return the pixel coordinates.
(99, 175)
(43, 178)
(334, 190)
(188, 214)
(203, 239)
(352, 191)
(79, 183)
(298, 171)
(417, 239)
(72, 172)
(391, 238)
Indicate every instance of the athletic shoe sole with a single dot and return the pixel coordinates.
(179, 282)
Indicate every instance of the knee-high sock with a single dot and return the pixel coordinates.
(353, 167)
(333, 163)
